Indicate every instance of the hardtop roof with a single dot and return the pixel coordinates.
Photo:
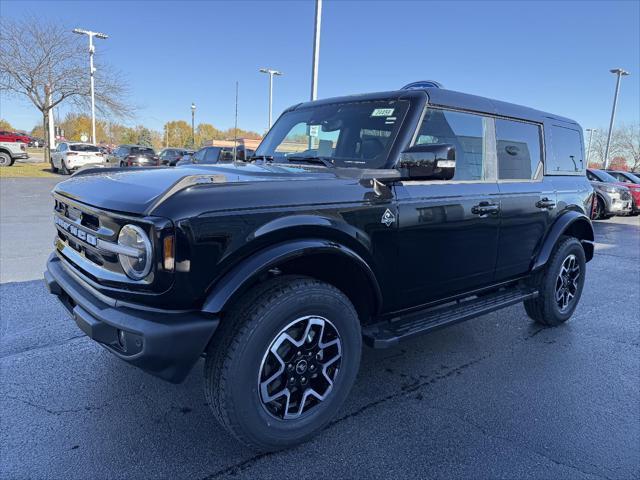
(452, 99)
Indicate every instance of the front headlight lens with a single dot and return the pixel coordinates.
(137, 263)
(608, 188)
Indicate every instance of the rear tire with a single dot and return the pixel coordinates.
(559, 284)
(64, 170)
(262, 387)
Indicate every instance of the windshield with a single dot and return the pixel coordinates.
(83, 148)
(604, 176)
(349, 134)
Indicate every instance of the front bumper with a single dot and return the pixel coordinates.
(164, 343)
(20, 156)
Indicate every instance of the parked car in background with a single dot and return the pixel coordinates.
(133, 156)
(208, 156)
(632, 182)
(68, 157)
(6, 136)
(171, 156)
(12, 151)
(36, 142)
(612, 196)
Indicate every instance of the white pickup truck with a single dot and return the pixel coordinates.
(12, 151)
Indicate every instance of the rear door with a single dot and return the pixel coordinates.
(448, 230)
(527, 200)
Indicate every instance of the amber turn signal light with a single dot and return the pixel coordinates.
(168, 255)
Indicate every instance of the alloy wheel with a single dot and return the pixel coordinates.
(300, 367)
(567, 282)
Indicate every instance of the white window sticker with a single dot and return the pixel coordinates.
(314, 130)
(382, 112)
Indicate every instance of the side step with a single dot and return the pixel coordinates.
(388, 333)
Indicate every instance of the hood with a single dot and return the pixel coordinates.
(630, 186)
(139, 190)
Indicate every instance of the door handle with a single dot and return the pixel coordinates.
(485, 208)
(546, 203)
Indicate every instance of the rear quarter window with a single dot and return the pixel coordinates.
(566, 151)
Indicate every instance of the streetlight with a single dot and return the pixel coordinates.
(316, 50)
(620, 73)
(590, 130)
(193, 125)
(92, 70)
(271, 73)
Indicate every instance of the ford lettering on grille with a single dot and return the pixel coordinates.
(77, 232)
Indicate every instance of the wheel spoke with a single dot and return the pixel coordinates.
(296, 372)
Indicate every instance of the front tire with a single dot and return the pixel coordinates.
(283, 362)
(559, 285)
(5, 160)
(64, 170)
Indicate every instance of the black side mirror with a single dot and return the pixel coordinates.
(428, 162)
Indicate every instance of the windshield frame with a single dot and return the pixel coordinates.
(416, 101)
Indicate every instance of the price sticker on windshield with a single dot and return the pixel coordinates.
(314, 130)
(382, 112)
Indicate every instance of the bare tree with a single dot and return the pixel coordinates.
(599, 143)
(47, 64)
(629, 140)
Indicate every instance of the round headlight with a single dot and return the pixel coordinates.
(136, 263)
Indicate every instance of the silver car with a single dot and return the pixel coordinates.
(612, 198)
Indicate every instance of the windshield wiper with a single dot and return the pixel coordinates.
(265, 158)
(320, 160)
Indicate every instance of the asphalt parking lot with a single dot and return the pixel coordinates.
(497, 397)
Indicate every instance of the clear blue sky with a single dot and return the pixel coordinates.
(550, 55)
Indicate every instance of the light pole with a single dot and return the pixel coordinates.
(271, 73)
(620, 73)
(92, 70)
(193, 125)
(316, 50)
(590, 130)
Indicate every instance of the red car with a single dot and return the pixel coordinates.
(632, 182)
(6, 136)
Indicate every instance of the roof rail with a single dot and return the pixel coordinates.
(421, 84)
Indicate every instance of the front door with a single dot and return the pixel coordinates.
(448, 230)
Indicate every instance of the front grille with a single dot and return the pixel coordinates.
(625, 195)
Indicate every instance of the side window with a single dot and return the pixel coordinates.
(567, 151)
(199, 156)
(210, 155)
(466, 132)
(518, 149)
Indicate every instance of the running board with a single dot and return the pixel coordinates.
(388, 333)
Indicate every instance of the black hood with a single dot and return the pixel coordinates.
(138, 190)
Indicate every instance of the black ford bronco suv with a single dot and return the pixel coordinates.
(368, 218)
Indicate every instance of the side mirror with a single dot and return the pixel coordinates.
(428, 162)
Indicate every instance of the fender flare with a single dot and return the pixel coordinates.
(569, 220)
(235, 280)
